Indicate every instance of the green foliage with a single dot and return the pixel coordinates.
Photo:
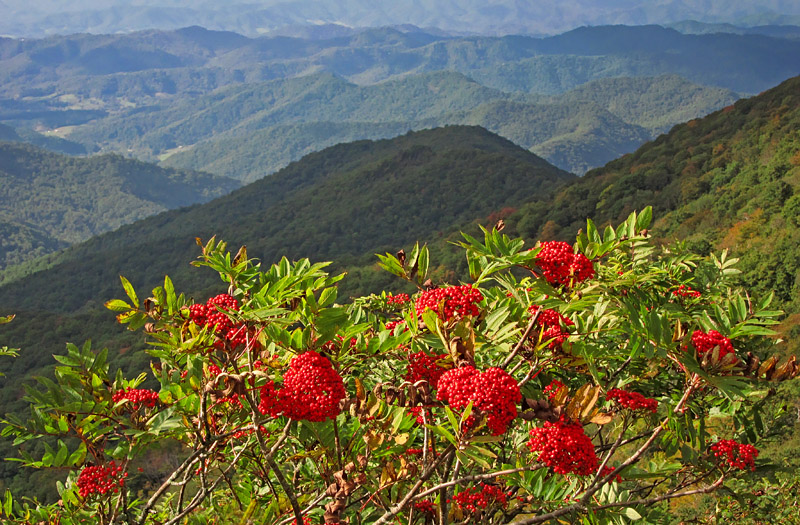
(233, 460)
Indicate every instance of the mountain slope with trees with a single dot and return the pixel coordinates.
(729, 180)
(50, 200)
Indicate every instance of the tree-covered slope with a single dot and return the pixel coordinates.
(729, 180)
(347, 200)
(48, 200)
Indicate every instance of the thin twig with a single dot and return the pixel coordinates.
(392, 512)
(522, 340)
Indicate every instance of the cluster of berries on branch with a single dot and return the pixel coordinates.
(492, 392)
(312, 390)
(451, 301)
(209, 315)
(478, 498)
(706, 342)
(391, 325)
(552, 325)
(552, 390)
(137, 397)
(100, 479)
(424, 506)
(564, 447)
(737, 455)
(422, 366)
(632, 400)
(401, 298)
(561, 266)
(685, 291)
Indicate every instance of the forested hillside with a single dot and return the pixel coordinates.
(286, 119)
(49, 200)
(730, 180)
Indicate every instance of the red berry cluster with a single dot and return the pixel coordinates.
(685, 291)
(450, 301)
(137, 397)
(552, 323)
(422, 366)
(100, 479)
(493, 392)
(737, 455)
(418, 411)
(475, 499)
(312, 390)
(248, 432)
(561, 266)
(391, 325)
(425, 506)
(209, 315)
(705, 342)
(552, 390)
(564, 447)
(632, 400)
(401, 298)
(268, 402)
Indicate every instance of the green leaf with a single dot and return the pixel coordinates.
(118, 305)
(129, 290)
(643, 219)
(632, 514)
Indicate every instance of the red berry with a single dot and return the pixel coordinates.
(449, 302)
(737, 455)
(561, 266)
(564, 447)
(706, 342)
(493, 393)
(632, 400)
(137, 397)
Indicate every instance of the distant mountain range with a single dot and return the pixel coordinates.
(43, 17)
(158, 95)
(284, 120)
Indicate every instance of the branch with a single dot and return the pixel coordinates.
(392, 512)
(522, 340)
(649, 501)
(478, 477)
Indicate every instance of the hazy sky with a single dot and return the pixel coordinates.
(494, 16)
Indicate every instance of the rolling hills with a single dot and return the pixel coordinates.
(247, 132)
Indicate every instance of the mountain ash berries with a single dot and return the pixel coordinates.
(564, 447)
(476, 499)
(561, 266)
(738, 455)
(632, 400)
(552, 325)
(493, 393)
(100, 479)
(422, 366)
(705, 342)
(450, 301)
(137, 397)
(209, 315)
(312, 390)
